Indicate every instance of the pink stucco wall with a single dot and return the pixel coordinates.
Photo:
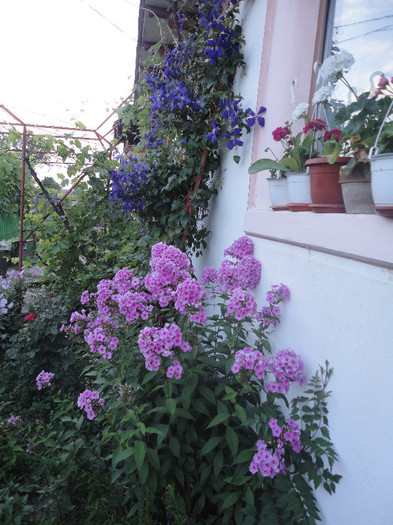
(292, 43)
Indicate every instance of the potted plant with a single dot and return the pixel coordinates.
(289, 168)
(359, 122)
(381, 156)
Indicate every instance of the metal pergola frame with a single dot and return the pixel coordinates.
(89, 135)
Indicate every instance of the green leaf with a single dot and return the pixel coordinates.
(218, 462)
(208, 394)
(231, 499)
(170, 406)
(232, 440)
(211, 444)
(174, 446)
(144, 472)
(152, 458)
(140, 452)
(185, 397)
(243, 456)
(220, 418)
(265, 164)
(236, 158)
(120, 454)
(240, 412)
(332, 150)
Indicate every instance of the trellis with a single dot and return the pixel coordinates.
(104, 139)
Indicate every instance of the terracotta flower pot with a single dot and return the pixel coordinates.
(326, 194)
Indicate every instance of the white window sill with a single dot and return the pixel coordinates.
(364, 238)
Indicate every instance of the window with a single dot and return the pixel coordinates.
(293, 41)
(364, 28)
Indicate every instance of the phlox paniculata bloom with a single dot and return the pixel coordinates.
(269, 458)
(43, 380)
(241, 304)
(158, 344)
(90, 402)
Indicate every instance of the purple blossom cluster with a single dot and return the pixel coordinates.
(15, 420)
(190, 295)
(210, 12)
(241, 304)
(269, 459)
(242, 272)
(5, 305)
(114, 299)
(170, 268)
(251, 360)
(236, 120)
(158, 343)
(128, 179)
(286, 366)
(269, 315)
(5, 284)
(240, 248)
(90, 402)
(44, 379)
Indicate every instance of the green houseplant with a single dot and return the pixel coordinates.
(290, 168)
(360, 122)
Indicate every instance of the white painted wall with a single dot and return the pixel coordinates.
(340, 310)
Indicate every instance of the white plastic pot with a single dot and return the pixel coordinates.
(299, 188)
(382, 179)
(278, 189)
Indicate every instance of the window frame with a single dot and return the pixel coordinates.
(364, 238)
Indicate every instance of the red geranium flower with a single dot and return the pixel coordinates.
(334, 134)
(30, 317)
(280, 133)
(316, 125)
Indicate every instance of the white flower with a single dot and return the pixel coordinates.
(334, 66)
(322, 95)
(299, 111)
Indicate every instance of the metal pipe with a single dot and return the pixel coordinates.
(22, 198)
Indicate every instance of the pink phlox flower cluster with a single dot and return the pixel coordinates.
(85, 297)
(170, 268)
(278, 293)
(269, 315)
(44, 379)
(240, 248)
(190, 295)
(133, 305)
(248, 272)
(100, 341)
(241, 304)
(251, 360)
(125, 280)
(122, 295)
(287, 367)
(209, 275)
(15, 420)
(174, 370)
(269, 462)
(289, 433)
(162, 251)
(156, 343)
(89, 401)
(78, 323)
(245, 273)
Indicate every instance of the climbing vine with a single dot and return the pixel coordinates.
(186, 111)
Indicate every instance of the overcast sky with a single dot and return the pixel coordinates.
(66, 59)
